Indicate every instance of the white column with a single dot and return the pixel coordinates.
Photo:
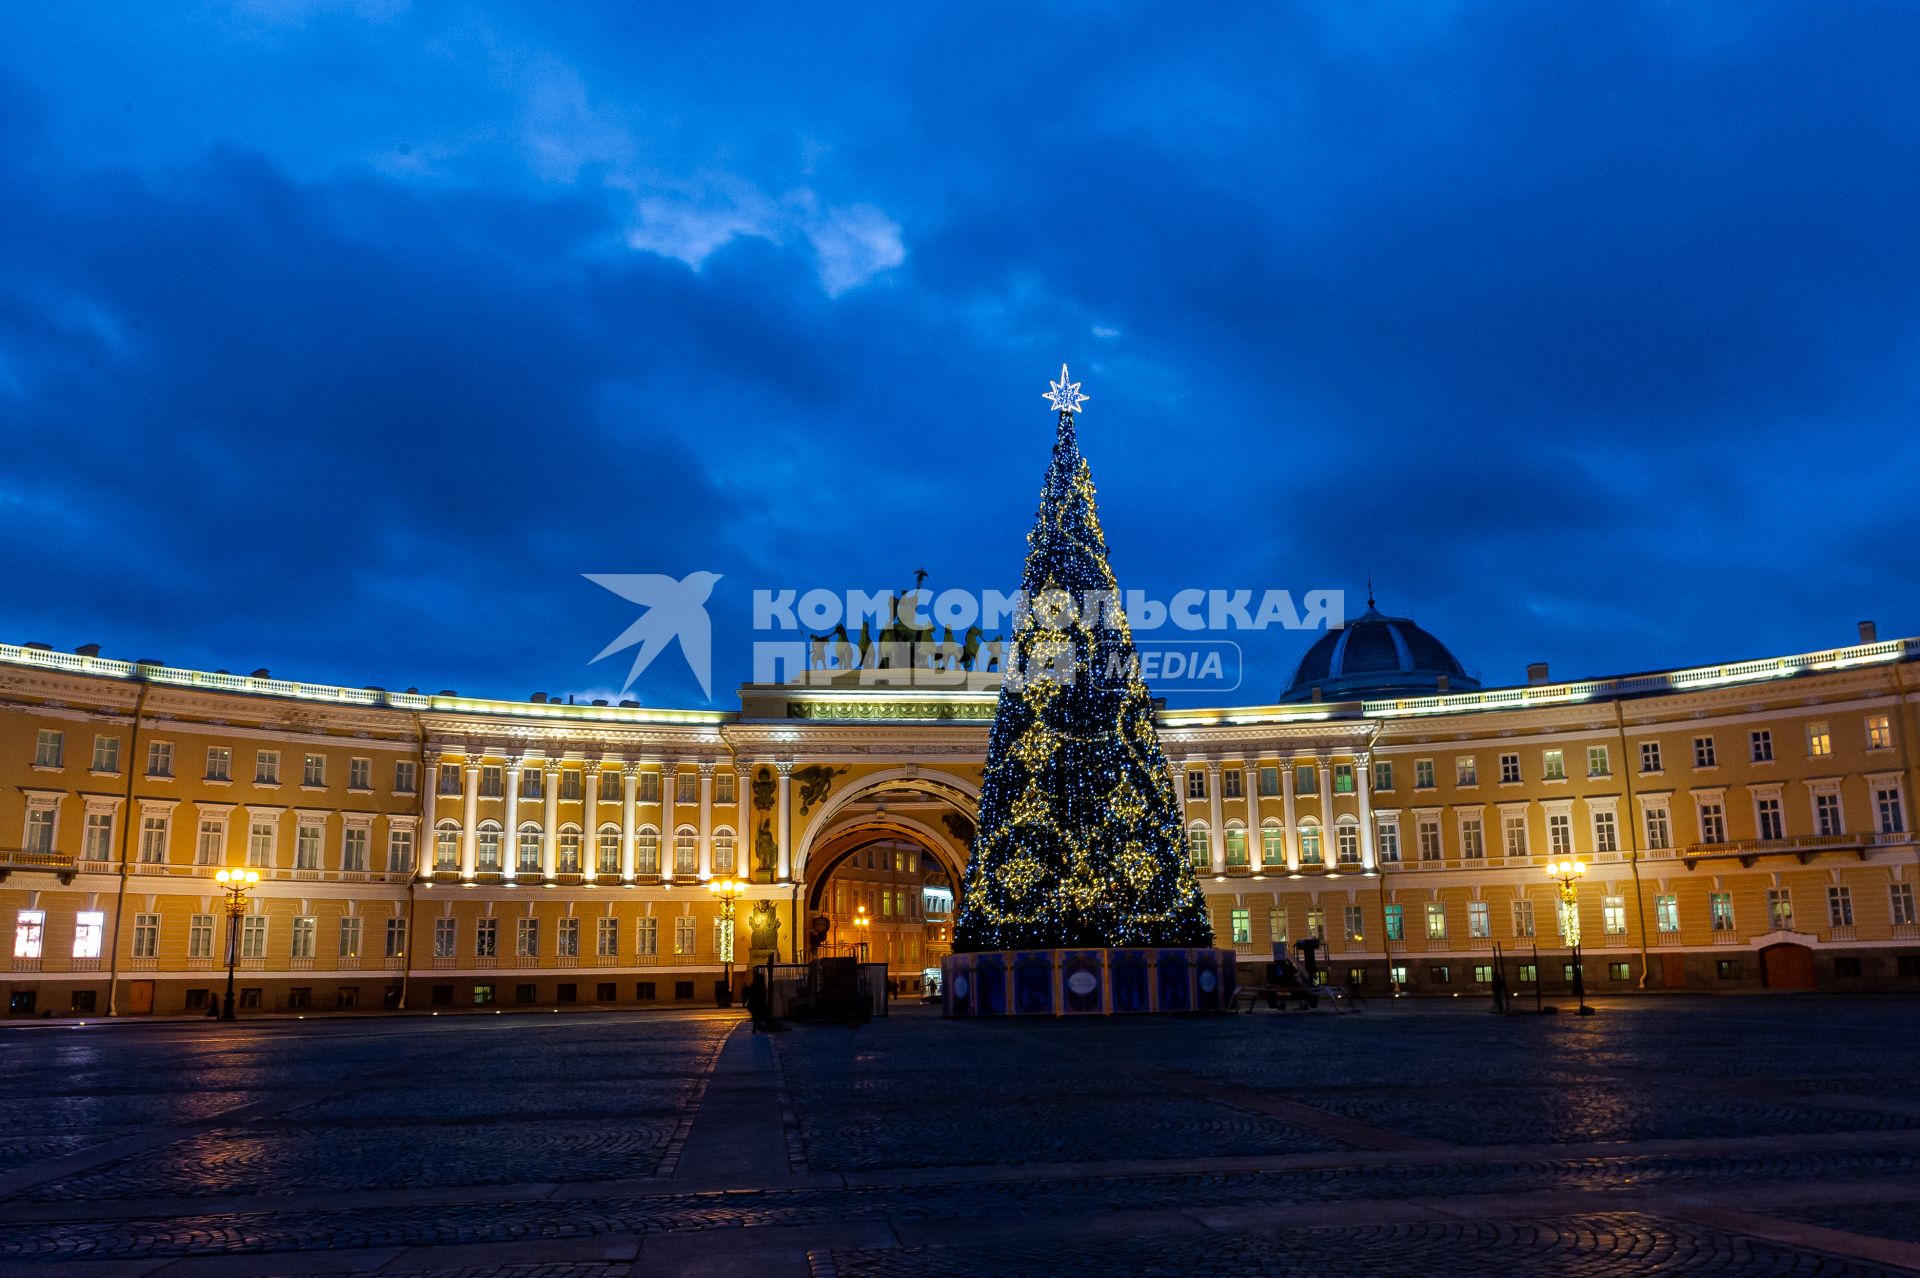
(510, 848)
(1324, 766)
(590, 820)
(423, 842)
(781, 808)
(1287, 815)
(1216, 818)
(742, 834)
(1363, 784)
(669, 778)
(470, 813)
(629, 788)
(550, 822)
(1249, 775)
(706, 820)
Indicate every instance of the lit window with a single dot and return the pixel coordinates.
(88, 927)
(1199, 847)
(306, 928)
(1396, 923)
(1479, 919)
(1613, 914)
(1273, 845)
(683, 935)
(1553, 766)
(1879, 732)
(1599, 763)
(1355, 924)
(1242, 921)
(29, 933)
(1343, 778)
(1720, 907)
(1666, 913)
(1436, 919)
(1780, 909)
(1466, 771)
(1819, 741)
(1236, 846)
(1310, 845)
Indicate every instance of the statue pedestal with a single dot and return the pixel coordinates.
(1087, 982)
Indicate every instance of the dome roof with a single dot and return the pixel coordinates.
(1375, 655)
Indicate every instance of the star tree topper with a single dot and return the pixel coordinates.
(1065, 395)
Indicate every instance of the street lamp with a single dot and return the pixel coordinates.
(1568, 874)
(236, 884)
(729, 891)
(861, 921)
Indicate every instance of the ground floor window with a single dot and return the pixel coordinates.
(482, 995)
(1727, 969)
(1619, 971)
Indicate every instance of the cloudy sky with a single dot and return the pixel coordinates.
(344, 338)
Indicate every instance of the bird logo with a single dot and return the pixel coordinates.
(673, 610)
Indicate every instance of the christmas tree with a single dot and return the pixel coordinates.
(1079, 837)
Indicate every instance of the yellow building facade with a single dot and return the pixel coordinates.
(1744, 826)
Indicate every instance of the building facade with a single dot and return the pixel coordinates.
(1744, 826)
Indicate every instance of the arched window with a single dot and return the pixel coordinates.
(446, 845)
(569, 849)
(1236, 842)
(1273, 844)
(529, 860)
(1310, 843)
(686, 851)
(723, 851)
(609, 862)
(1199, 846)
(487, 847)
(646, 851)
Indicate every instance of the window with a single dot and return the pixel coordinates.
(1427, 831)
(647, 938)
(1273, 845)
(646, 853)
(1196, 784)
(532, 783)
(1199, 847)
(305, 929)
(1316, 922)
(486, 938)
(1619, 971)
(106, 754)
(1305, 779)
(686, 787)
(570, 786)
(1232, 787)
(266, 767)
(1703, 753)
(528, 859)
(450, 778)
(610, 787)
(1606, 832)
(1236, 846)
(253, 936)
(1383, 775)
(569, 851)
(200, 936)
(353, 848)
(483, 996)
(1356, 924)
(49, 748)
(526, 939)
(1826, 813)
(1436, 919)
(1522, 917)
(260, 843)
(306, 847)
(1509, 769)
(1613, 915)
(1396, 923)
(1761, 740)
(446, 846)
(396, 943)
(606, 938)
(399, 850)
(89, 926)
(1650, 757)
(686, 851)
(1659, 829)
(1599, 763)
(1277, 926)
(1713, 823)
(39, 830)
(97, 839)
(608, 860)
(1819, 741)
(29, 933)
(153, 839)
(406, 776)
(1242, 923)
(1387, 838)
(1887, 806)
(1559, 833)
(315, 770)
(1347, 844)
(1901, 899)
(1766, 815)
(1269, 782)
(1666, 912)
(1397, 975)
(1343, 778)
(219, 763)
(723, 791)
(1780, 909)
(1528, 975)
(649, 787)
(211, 848)
(1479, 919)
(1720, 910)
(350, 937)
(683, 935)
(1483, 973)
(1473, 839)
(1513, 833)
(1553, 765)
(1423, 773)
(1466, 770)
(1839, 907)
(443, 938)
(1310, 845)
(159, 758)
(1727, 969)
(1879, 732)
(493, 781)
(1439, 974)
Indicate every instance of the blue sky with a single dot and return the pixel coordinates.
(344, 338)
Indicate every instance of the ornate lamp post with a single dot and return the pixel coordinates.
(1568, 874)
(728, 890)
(236, 884)
(862, 922)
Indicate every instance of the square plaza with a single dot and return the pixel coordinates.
(1684, 1134)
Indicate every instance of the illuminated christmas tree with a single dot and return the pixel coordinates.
(1079, 838)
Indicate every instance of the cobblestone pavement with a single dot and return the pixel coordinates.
(1692, 1136)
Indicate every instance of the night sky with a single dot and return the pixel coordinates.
(343, 339)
